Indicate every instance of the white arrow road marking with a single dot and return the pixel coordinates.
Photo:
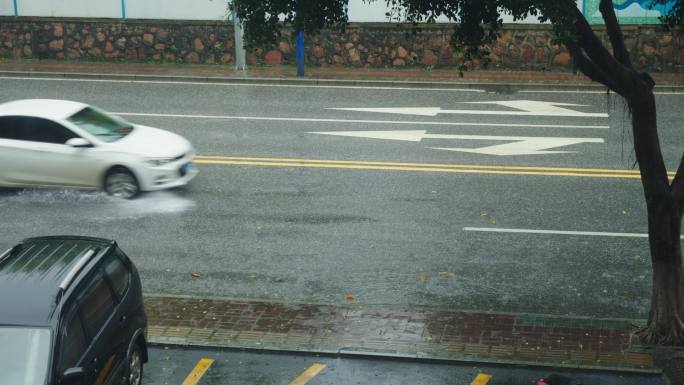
(530, 146)
(526, 107)
(522, 145)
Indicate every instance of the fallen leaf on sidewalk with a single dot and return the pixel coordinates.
(447, 274)
(196, 275)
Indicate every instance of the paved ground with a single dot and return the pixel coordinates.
(171, 366)
(370, 226)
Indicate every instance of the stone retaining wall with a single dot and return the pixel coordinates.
(361, 45)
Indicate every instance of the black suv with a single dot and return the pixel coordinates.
(71, 312)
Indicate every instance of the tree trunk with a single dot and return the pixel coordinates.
(666, 318)
(665, 323)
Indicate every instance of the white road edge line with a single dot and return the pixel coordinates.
(246, 84)
(555, 232)
(355, 121)
(310, 86)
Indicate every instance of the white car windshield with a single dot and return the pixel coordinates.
(24, 355)
(105, 127)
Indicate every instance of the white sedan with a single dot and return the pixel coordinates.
(63, 143)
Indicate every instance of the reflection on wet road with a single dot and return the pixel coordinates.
(172, 366)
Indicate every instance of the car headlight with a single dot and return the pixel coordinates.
(157, 162)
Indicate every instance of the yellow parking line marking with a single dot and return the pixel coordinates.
(420, 169)
(308, 374)
(199, 370)
(481, 379)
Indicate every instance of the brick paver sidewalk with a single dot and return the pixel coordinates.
(417, 333)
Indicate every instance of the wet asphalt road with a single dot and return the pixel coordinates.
(384, 237)
(170, 366)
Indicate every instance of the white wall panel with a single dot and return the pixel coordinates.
(177, 9)
(6, 8)
(174, 9)
(70, 8)
(375, 12)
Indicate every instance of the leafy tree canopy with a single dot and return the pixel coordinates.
(478, 21)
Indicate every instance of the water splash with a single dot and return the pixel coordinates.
(96, 206)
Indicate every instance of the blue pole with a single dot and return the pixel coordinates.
(123, 9)
(300, 53)
(16, 10)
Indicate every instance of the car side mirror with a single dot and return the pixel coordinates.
(73, 376)
(78, 143)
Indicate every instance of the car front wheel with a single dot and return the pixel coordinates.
(135, 366)
(121, 183)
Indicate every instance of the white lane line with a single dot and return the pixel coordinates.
(355, 121)
(587, 92)
(555, 232)
(246, 84)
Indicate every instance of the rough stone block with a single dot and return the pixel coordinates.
(273, 57)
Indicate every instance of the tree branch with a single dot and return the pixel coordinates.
(677, 187)
(617, 40)
(618, 73)
(638, 90)
(590, 69)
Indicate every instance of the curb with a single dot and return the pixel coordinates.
(484, 86)
(419, 357)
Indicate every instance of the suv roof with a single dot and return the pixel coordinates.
(32, 272)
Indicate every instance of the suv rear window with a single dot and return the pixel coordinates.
(74, 343)
(97, 305)
(117, 273)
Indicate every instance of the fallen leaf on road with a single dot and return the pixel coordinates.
(423, 277)
(447, 274)
(349, 297)
(483, 214)
(196, 275)
(493, 221)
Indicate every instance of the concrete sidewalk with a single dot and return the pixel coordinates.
(462, 336)
(414, 77)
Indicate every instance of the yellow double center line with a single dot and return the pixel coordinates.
(420, 167)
